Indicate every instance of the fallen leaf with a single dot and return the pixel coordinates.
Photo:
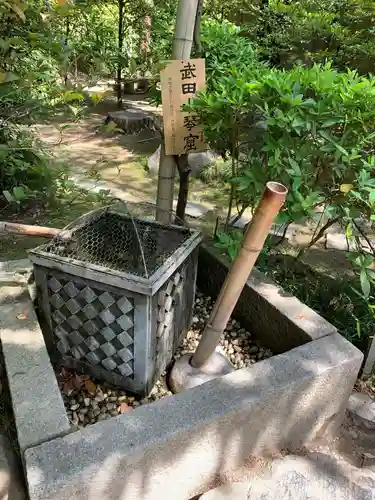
(123, 408)
(21, 316)
(90, 386)
(65, 374)
(77, 381)
(68, 387)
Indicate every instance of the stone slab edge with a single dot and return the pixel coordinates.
(369, 365)
(279, 320)
(361, 408)
(15, 272)
(15, 266)
(36, 399)
(174, 447)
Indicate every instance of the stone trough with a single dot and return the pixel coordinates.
(175, 447)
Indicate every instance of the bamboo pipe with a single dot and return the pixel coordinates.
(35, 231)
(252, 244)
(44, 232)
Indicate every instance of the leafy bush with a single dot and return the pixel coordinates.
(22, 164)
(308, 31)
(334, 298)
(312, 129)
(225, 49)
(28, 78)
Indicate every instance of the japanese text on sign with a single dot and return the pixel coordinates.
(180, 80)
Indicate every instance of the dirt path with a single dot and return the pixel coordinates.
(119, 159)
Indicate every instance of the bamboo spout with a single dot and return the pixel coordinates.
(252, 244)
(35, 231)
(27, 230)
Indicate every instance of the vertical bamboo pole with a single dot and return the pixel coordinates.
(120, 47)
(197, 29)
(182, 44)
(253, 242)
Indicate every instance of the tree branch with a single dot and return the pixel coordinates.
(364, 236)
(320, 234)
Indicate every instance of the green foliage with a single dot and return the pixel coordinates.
(308, 31)
(24, 70)
(312, 129)
(231, 242)
(225, 50)
(23, 165)
(163, 22)
(30, 87)
(334, 298)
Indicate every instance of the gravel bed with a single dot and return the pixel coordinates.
(88, 402)
(367, 386)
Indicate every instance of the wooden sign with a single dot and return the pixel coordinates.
(180, 80)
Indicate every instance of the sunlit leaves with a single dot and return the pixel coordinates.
(6, 77)
(345, 188)
(16, 7)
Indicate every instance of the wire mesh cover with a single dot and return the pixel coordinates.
(115, 238)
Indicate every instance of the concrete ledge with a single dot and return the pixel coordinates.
(173, 448)
(16, 266)
(361, 409)
(279, 320)
(14, 272)
(36, 399)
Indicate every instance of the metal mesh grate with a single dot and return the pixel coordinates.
(114, 238)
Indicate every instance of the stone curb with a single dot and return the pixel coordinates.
(361, 408)
(36, 399)
(15, 272)
(173, 448)
(15, 266)
(279, 320)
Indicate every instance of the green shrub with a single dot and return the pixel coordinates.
(312, 129)
(308, 31)
(28, 85)
(22, 164)
(225, 49)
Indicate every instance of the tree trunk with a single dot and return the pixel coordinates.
(184, 174)
(67, 33)
(120, 47)
(197, 29)
(145, 43)
(182, 45)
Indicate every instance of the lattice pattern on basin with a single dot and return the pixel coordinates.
(92, 325)
(167, 302)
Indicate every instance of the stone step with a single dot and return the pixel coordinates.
(313, 477)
